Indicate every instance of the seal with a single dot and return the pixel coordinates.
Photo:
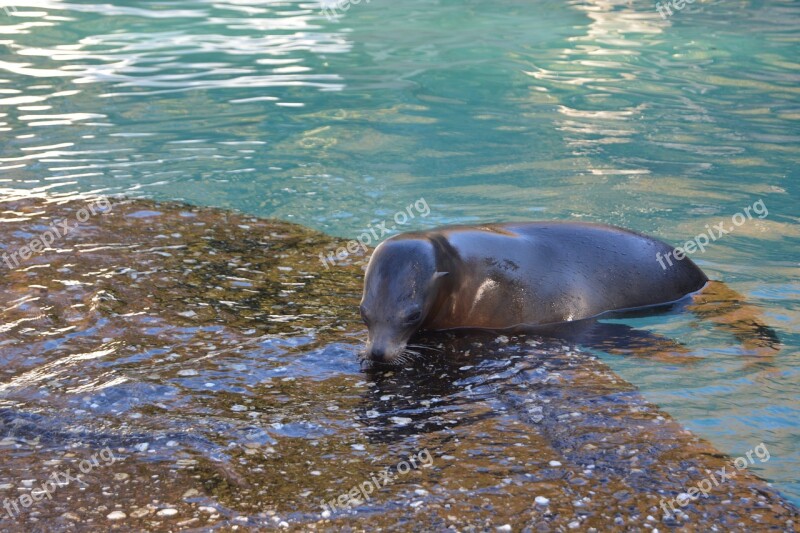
(512, 276)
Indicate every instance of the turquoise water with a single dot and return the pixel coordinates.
(506, 110)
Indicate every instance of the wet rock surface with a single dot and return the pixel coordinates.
(180, 368)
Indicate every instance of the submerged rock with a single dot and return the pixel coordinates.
(214, 357)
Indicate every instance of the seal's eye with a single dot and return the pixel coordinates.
(413, 317)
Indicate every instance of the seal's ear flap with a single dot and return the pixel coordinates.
(438, 275)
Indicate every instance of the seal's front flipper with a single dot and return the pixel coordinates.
(730, 311)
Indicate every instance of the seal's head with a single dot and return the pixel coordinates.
(400, 288)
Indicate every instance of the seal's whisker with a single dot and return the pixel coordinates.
(406, 356)
(422, 347)
(410, 356)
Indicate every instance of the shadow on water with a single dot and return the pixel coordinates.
(216, 358)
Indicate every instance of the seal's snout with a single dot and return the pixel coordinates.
(384, 350)
(383, 353)
(378, 354)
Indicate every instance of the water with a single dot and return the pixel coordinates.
(598, 111)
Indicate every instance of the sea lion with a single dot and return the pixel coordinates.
(515, 275)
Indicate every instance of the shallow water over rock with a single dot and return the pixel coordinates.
(209, 363)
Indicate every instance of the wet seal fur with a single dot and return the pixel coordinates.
(512, 276)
